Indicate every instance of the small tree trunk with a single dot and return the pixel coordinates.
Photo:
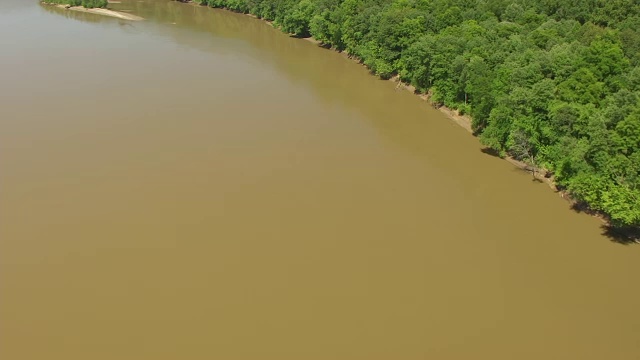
(532, 161)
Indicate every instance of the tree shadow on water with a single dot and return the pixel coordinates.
(490, 151)
(624, 235)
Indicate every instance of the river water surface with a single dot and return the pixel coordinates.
(200, 186)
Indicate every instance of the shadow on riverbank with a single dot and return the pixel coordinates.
(624, 236)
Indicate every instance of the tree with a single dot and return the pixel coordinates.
(523, 149)
(297, 20)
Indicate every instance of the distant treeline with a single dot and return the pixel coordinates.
(85, 3)
(555, 83)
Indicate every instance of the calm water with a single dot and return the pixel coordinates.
(201, 186)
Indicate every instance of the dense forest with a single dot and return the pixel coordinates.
(554, 83)
(85, 3)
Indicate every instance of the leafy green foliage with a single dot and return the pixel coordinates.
(555, 83)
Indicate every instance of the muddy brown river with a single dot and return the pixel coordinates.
(199, 185)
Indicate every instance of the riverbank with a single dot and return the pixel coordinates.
(99, 11)
(454, 115)
(538, 174)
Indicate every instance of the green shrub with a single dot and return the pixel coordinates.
(85, 3)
